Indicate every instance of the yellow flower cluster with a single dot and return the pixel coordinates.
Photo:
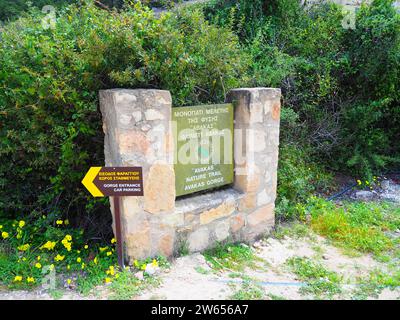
(67, 242)
(49, 245)
(59, 258)
(111, 271)
(5, 235)
(24, 247)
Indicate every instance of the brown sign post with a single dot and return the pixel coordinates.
(115, 182)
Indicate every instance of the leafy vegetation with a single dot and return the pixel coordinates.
(340, 86)
(319, 280)
(358, 226)
(249, 290)
(231, 257)
(51, 127)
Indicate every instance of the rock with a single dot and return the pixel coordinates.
(364, 195)
(385, 184)
(262, 214)
(152, 114)
(139, 275)
(224, 210)
(325, 257)
(198, 240)
(151, 269)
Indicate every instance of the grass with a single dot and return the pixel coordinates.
(295, 230)
(356, 226)
(319, 281)
(232, 257)
(375, 282)
(249, 290)
(127, 286)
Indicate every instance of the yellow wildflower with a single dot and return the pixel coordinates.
(69, 281)
(59, 222)
(86, 246)
(49, 245)
(143, 267)
(154, 263)
(79, 260)
(21, 224)
(66, 222)
(111, 270)
(17, 279)
(78, 251)
(30, 279)
(38, 258)
(367, 182)
(68, 267)
(5, 235)
(109, 253)
(23, 259)
(83, 265)
(103, 249)
(113, 240)
(59, 258)
(107, 280)
(1, 227)
(95, 260)
(38, 265)
(24, 247)
(359, 182)
(68, 237)
(136, 263)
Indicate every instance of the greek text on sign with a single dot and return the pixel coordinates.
(114, 181)
(203, 147)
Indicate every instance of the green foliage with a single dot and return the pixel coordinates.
(298, 177)
(31, 250)
(10, 9)
(231, 257)
(126, 286)
(249, 290)
(359, 226)
(51, 130)
(319, 280)
(341, 86)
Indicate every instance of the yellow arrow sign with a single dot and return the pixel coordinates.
(88, 182)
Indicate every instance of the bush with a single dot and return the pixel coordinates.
(298, 177)
(342, 85)
(51, 130)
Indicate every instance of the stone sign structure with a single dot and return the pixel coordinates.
(139, 132)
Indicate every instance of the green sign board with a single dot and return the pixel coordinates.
(203, 147)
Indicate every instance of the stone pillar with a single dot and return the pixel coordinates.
(137, 127)
(256, 144)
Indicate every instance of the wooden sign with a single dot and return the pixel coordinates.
(114, 181)
(204, 147)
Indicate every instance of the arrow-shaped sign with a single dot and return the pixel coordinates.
(114, 181)
(88, 182)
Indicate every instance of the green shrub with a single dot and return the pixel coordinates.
(341, 84)
(51, 129)
(298, 177)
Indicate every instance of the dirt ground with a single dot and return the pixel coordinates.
(183, 281)
(192, 277)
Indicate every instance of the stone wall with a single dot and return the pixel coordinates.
(137, 127)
